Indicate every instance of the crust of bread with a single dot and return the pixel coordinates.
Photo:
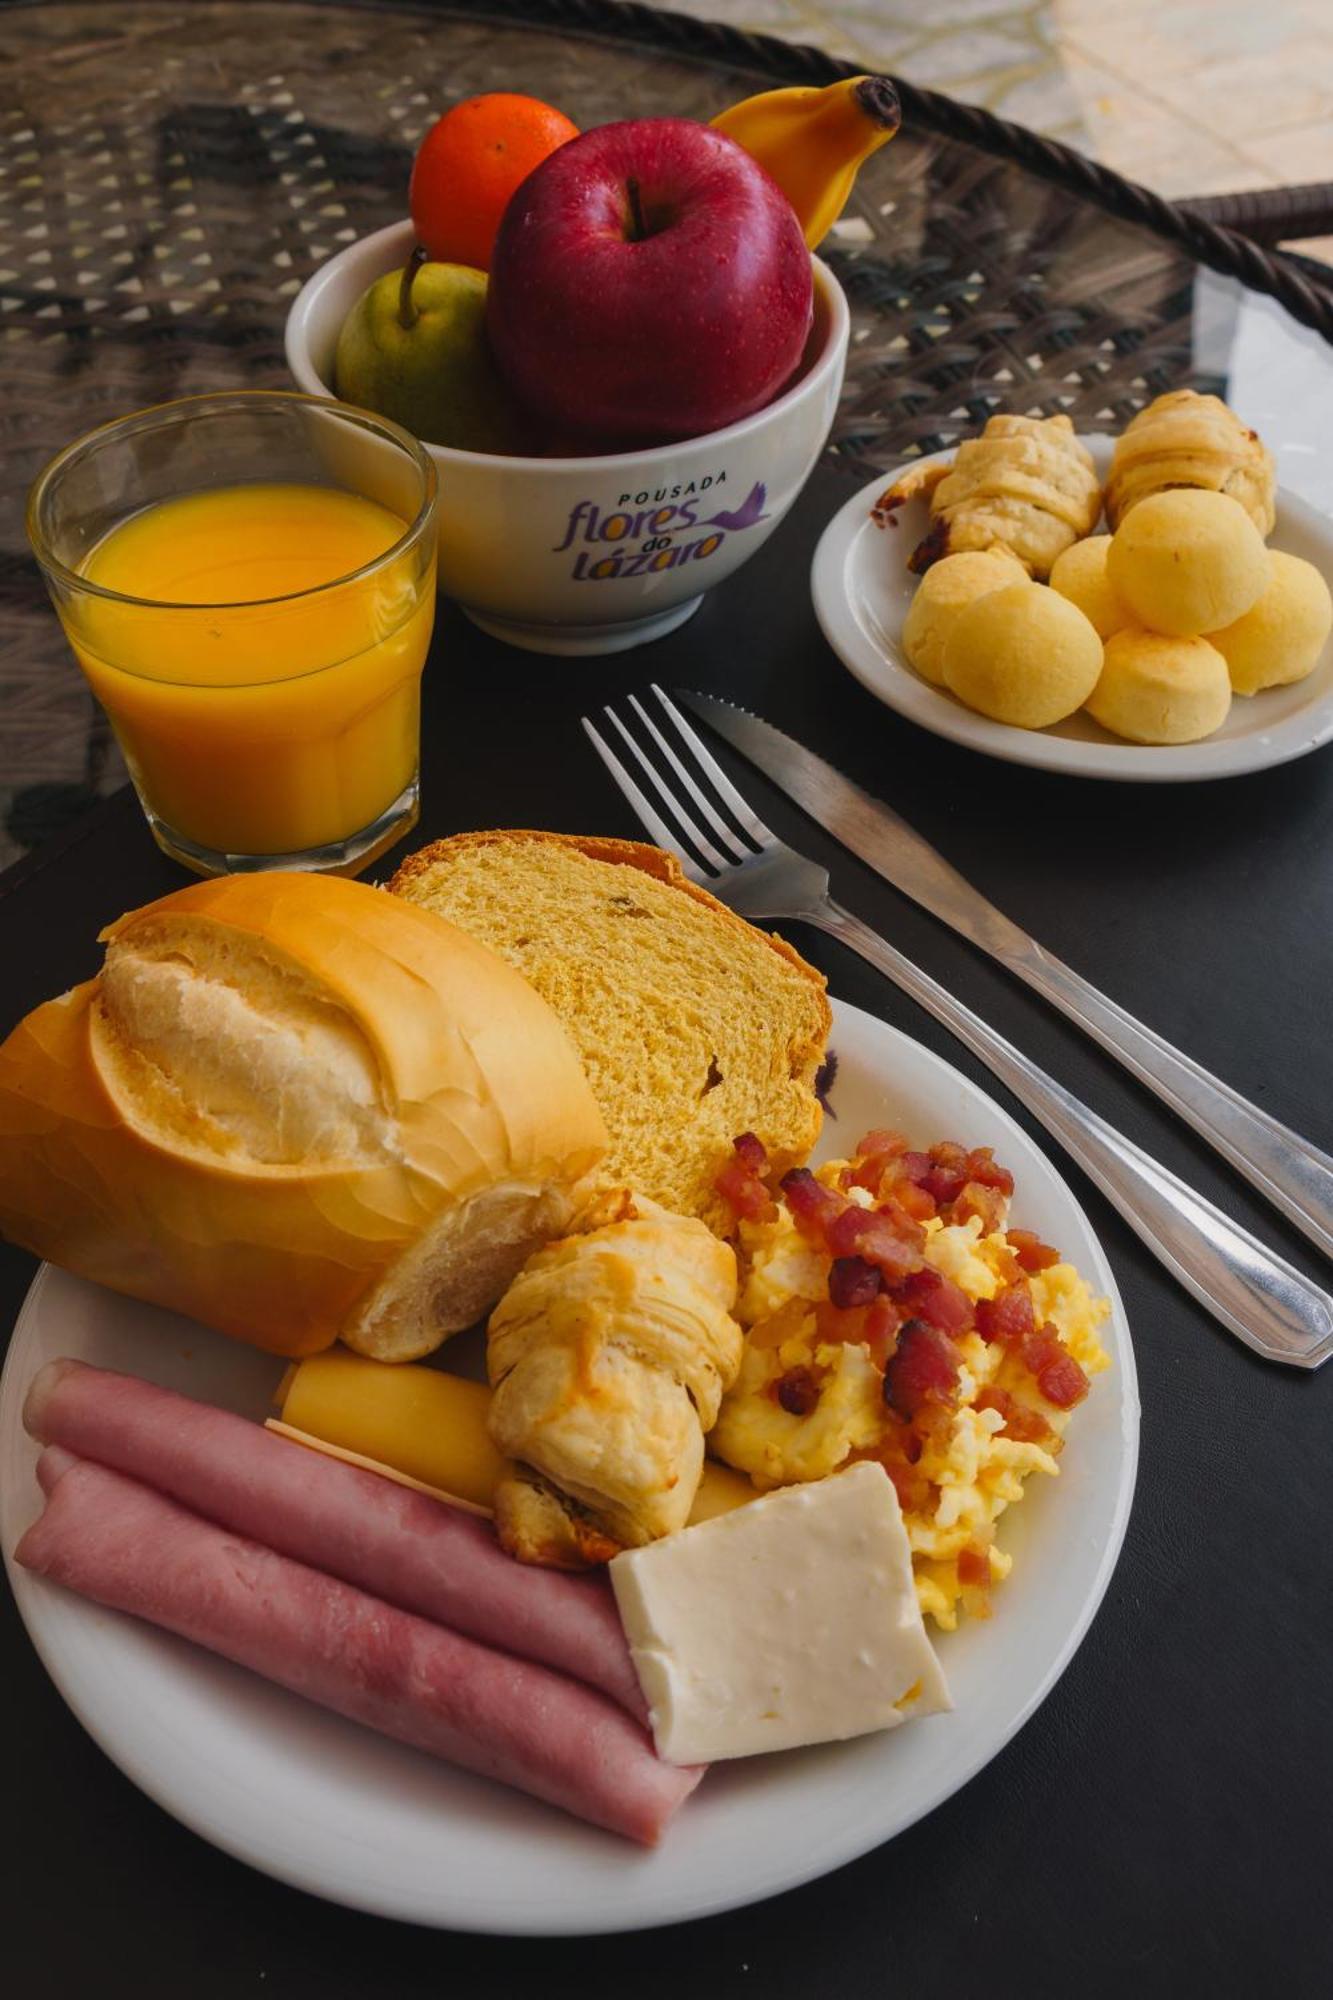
(295, 1109)
(654, 861)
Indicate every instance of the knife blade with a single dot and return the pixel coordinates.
(1291, 1173)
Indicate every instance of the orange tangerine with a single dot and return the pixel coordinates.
(470, 163)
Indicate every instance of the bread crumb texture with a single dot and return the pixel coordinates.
(692, 1025)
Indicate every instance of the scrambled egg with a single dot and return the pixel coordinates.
(969, 1472)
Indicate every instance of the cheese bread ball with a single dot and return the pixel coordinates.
(947, 588)
(1156, 689)
(1022, 654)
(1280, 638)
(1080, 575)
(1187, 561)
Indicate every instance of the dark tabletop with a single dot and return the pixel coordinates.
(1162, 1825)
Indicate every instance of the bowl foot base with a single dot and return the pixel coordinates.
(575, 639)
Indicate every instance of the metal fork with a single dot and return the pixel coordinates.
(1255, 1293)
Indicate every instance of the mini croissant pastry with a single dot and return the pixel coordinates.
(1026, 485)
(1185, 439)
(609, 1356)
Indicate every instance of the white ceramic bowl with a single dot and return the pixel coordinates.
(591, 555)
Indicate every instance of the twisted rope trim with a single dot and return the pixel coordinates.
(1220, 249)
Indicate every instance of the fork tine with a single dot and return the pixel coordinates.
(693, 833)
(656, 826)
(734, 847)
(743, 810)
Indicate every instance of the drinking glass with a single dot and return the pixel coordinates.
(281, 729)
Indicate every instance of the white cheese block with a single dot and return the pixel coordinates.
(791, 1620)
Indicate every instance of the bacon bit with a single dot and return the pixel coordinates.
(878, 1236)
(943, 1184)
(914, 1167)
(853, 1282)
(740, 1182)
(1023, 1425)
(927, 1294)
(1058, 1376)
(973, 1568)
(1008, 1318)
(1031, 1252)
(984, 1203)
(898, 1451)
(880, 1330)
(874, 1156)
(748, 1199)
(924, 1369)
(947, 1173)
(982, 1166)
(914, 1201)
(881, 1144)
(812, 1204)
(798, 1391)
(883, 1236)
(1063, 1382)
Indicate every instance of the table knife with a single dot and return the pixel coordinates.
(1295, 1176)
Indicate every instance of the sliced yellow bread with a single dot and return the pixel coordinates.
(692, 1025)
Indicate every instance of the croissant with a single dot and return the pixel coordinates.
(1184, 439)
(609, 1356)
(1026, 484)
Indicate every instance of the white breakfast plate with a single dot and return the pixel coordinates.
(862, 587)
(331, 1808)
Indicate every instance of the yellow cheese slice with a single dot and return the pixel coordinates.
(419, 1421)
(424, 1429)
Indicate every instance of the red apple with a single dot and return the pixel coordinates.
(649, 282)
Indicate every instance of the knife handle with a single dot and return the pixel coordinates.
(1285, 1168)
(1265, 1301)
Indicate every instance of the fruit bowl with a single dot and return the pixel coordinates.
(597, 554)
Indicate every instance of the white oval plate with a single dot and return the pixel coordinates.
(332, 1808)
(862, 587)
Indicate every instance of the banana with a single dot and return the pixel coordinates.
(812, 141)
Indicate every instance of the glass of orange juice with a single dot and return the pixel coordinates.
(248, 582)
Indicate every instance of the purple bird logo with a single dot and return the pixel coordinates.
(747, 515)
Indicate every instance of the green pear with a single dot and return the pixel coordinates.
(414, 348)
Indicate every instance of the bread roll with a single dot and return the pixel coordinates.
(1080, 575)
(944, 592)
(296, 1109)
(1281, 637)
(1155, 689)
(1023, 655)
(1186, 561)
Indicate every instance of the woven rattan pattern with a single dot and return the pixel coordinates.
(171, 173)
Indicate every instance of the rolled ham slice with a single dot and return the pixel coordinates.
(400, 1545)
(122, 1544)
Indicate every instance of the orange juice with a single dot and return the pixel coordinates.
(257, 720)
